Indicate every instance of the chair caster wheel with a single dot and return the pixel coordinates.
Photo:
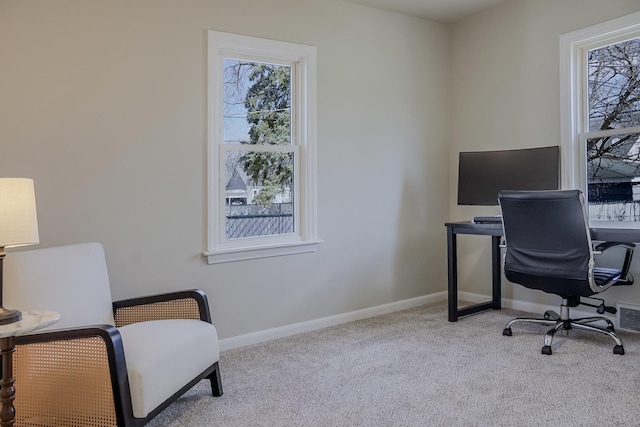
(618, 349)
(507, 332)
(546, 349)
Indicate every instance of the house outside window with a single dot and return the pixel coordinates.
(600, 118)
(261, 148)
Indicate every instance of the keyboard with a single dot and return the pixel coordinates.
(494, 219)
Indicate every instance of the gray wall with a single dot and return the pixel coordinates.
(102, 103)
(505, 94)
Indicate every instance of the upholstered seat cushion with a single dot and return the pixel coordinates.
(603, 276)
(163, 356)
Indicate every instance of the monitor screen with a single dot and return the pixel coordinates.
(482, 174)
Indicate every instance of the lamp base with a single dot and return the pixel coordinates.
(9, 315)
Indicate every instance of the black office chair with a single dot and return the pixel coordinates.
(548, 247)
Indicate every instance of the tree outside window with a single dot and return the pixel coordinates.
(257, 107)
(612, 140)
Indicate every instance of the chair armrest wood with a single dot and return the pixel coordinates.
(72, 377)
(189, 304)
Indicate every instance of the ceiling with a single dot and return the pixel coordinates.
(444, 11)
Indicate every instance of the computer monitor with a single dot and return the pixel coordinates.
(482, 174)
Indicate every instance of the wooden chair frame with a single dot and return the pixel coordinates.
(100, 348)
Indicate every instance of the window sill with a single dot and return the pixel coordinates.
(230, 255)
(621, 225)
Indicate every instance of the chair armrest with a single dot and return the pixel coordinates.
(189, 304)
(75, 376)
(626, 278)
(603, 246)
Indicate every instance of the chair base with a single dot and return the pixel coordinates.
(564, 322)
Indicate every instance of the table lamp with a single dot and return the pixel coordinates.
(18, 226)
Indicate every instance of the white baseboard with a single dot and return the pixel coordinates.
(535, 308)
(539, 309)
(311, 325)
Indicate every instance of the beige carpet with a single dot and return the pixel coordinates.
(413, 368)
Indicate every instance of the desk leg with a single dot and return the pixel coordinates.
(452, 274)
(7, 391)
(496, 272)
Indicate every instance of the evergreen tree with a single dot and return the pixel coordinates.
(268, 104)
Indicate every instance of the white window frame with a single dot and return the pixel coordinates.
(303, 81)
(574, 121)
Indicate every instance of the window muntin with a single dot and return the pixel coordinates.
(261, 138)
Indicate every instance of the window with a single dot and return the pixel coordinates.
(261, 148)
(600, 118)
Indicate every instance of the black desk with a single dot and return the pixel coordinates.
(496, 232)
(485, 229)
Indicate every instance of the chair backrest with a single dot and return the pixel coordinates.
(71, 280)
(548, 241)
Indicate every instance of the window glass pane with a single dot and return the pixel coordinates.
(259, 194)
(257, 103)
(613, 177)
(614, 86)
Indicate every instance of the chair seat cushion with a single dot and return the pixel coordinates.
(602, 276)
(162, 356)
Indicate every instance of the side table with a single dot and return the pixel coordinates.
(31, 321)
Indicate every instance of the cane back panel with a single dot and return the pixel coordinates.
(183, 308)
(63, 383)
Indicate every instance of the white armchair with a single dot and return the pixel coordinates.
(107, 364)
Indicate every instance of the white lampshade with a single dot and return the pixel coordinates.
(18, 217)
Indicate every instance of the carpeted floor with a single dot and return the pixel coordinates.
(413, 368)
